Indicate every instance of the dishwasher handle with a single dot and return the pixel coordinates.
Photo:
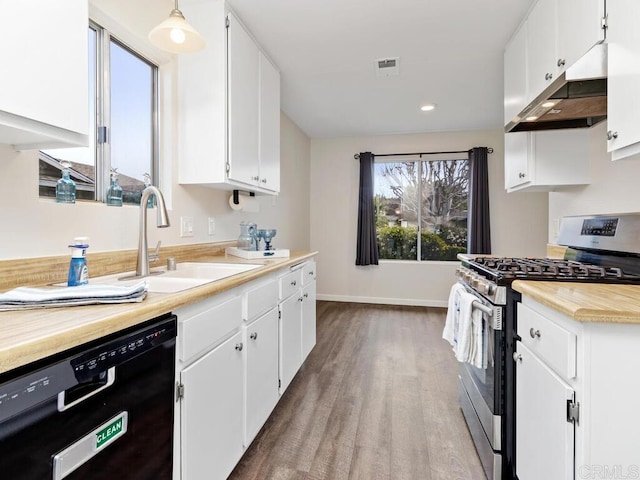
(111, 379)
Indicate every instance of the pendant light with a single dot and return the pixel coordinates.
(175, 35)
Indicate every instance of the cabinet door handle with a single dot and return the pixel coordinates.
(311, 272)
(561, 62)
(264, 180)
(612, 135)
(256, 178)
(548, 76)
(293, 283)
(521, 175)
(306, 295)
(534, 333)
(239, 346)
(254, 336)
(300, 299)
(517, 357)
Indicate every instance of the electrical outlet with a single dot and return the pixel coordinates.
(186, 226)
(212, 226)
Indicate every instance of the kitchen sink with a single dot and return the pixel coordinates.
(186, 275)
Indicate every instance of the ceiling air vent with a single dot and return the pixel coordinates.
(387, 66)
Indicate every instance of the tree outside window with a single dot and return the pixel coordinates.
(421, 209)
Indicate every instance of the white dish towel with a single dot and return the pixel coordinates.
(464, 328)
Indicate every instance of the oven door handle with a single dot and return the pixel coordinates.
(479, 306)
(111, 379)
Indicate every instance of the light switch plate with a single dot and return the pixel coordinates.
(212, 226)
(186, 226)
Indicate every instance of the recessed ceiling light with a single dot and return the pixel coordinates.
(428, 107)
(531, 119)
(548, 104)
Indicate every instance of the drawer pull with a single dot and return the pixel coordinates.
(254, 336)
(239, 346)
(306, 295)
(517, 357)
(534, 333)
(293, 283)
(311, 272)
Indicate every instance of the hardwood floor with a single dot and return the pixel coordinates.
(375, 399)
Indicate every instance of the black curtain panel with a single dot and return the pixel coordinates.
(367, 248)
(479, 230)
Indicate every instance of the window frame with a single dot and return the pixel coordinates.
(422, 159)
(104, 38)
(100, 123)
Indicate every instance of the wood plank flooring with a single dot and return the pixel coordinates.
(375, 400)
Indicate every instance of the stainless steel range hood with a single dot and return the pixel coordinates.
(576, 99)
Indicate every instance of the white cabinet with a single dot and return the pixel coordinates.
(297, 320)
(290, 328)
(541, 46)
(236, 353)
(623, 37)
(211, 412)
(209, 366)
(229, 97)
(546, 160)
(573, 385)
(261, 381)
(269, 125)
(544, 438)
(44, 94)
(515, 75)
(579, 29)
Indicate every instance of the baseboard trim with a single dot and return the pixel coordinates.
(384, 301)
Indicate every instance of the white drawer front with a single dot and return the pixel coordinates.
(261, 299)
(552, 343)
(289, 283)
(206, 329)
(308, 272)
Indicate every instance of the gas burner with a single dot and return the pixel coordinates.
(507, 268)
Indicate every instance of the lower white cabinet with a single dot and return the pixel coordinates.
(261, 379)
(211, 412)
(544, 438)
(308, 318)
(290, 339)
(236, 353)
(574, 384)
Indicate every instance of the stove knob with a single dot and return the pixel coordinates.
(483, 287)
(459, 272)
(491, 288)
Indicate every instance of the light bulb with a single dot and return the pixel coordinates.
(177, 35)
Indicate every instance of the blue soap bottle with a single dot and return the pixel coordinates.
(78, 271)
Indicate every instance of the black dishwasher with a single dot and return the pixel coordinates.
(100, 411)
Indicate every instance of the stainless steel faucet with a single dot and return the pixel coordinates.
(142, 265)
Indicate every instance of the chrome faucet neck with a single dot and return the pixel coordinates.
(142, 265)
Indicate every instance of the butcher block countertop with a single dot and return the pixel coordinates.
(30, 335)
(586, 302)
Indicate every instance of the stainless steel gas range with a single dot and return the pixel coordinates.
(602, 249)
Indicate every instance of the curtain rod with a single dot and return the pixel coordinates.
(357, 155)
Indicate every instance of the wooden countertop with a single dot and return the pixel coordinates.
(30, 335)
(586, 302)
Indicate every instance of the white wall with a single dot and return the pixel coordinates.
(614, 187)
(518, 220)
(34, 227)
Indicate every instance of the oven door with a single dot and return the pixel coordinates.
(479, 392)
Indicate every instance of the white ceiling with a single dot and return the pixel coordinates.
(450, 54)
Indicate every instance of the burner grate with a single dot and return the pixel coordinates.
(536, 268)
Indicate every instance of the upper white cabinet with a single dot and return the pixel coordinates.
(515, 75)
(44, 94)
(541, 46)
(546, 160)
(229, 97)
(551, 39)
(624, 78)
